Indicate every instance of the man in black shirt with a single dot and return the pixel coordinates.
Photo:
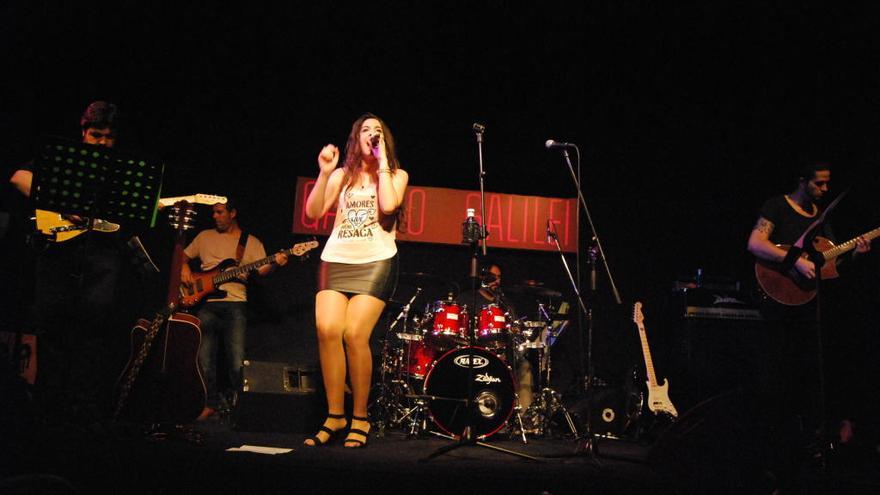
(787, 393)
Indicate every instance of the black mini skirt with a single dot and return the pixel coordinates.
(377, 278)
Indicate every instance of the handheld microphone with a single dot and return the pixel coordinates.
(374, 141)
(479, 128)
(550, 144)
(549, 231)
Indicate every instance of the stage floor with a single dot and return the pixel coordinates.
(122, 459)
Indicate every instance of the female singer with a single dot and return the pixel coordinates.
(358, 271)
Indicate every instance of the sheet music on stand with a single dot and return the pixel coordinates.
(95, 181)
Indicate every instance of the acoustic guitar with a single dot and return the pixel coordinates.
(790, 287)
(162, 381)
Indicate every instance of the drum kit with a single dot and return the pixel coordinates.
(428, 356)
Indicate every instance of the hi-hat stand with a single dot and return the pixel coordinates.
(475, 235)
(548, 403)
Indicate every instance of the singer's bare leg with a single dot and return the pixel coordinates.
(363, 313)
(330, 311)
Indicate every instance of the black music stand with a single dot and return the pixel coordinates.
(96, 181)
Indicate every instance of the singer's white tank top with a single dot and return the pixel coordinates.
(357, 235)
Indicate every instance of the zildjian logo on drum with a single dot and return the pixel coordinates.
(487, 378)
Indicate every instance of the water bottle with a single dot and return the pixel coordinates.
(470, 229)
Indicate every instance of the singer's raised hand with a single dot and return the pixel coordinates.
(328, 158)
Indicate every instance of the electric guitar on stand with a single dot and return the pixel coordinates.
(658, 395)
(195, 199)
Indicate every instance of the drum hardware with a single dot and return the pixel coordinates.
(540, 413)
(389, 409)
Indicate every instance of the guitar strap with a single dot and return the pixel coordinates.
(239, 251)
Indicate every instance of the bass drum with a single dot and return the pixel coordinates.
(492, 390)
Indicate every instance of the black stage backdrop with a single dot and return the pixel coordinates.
(687, 117)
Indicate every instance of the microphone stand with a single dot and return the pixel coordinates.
(589, 442)
(474, 234)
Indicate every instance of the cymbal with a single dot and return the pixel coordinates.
(532, 289)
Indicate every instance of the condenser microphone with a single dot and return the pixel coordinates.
(479, 127)
(550, 144)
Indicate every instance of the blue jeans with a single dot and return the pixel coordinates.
(223, 330)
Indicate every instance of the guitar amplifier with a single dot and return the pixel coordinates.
(714, 337)
(279, 397)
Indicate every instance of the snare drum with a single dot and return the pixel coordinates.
(449, 324)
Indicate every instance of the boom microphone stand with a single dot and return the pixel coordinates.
(475, 235)
(588, 444)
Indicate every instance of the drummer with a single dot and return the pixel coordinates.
(489, 292)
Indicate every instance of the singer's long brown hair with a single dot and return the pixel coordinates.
(353, 158)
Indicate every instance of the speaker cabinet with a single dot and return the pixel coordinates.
(279, 397)
(711, 356)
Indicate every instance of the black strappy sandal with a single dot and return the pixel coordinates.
(331, 433)
(357, 431)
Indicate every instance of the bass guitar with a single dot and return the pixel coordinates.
(658, 395)
(207, 283)
(59, 228)
(790, 287)
(162, 382)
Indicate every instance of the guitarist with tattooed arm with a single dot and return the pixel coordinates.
(788, 396)
(223, 316)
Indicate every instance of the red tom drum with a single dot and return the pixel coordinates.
(492, 331)
(449, 324)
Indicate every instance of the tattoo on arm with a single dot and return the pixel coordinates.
(764, 226)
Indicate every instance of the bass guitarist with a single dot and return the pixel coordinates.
(788, 395)
(224, 317)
